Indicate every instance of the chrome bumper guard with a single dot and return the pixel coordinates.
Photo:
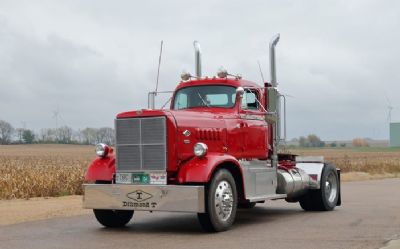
(173, 198)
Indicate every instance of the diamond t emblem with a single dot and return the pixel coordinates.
(186, 133)
(139, 195)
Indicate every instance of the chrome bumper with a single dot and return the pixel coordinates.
(172, 198)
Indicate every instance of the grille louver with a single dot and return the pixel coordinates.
(141, 144)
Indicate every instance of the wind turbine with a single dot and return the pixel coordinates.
(56, 113)
(390, 108)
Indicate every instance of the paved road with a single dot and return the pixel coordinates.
(369, 217)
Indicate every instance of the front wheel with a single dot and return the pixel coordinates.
(326, 198)
(113, 218)
(221, 203)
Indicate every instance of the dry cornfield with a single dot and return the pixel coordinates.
(54, 170)
(368, 160)
(42, 170)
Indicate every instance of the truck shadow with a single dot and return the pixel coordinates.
(188, 223)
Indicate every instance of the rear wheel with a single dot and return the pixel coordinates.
(221, 203)
(325, 198)
(112, 218)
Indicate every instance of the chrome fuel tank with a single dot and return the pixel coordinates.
(293, 182)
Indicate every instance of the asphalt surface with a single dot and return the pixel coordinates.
(369, 217)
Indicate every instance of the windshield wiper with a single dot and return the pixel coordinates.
(204, 102)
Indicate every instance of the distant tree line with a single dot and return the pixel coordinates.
(61, 135)
(314, 141)
(311, 140)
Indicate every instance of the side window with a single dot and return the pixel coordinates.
(249, 101)
(181, 101)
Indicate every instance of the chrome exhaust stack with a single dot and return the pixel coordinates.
(197, 56)
(274, 103)
(272, 63)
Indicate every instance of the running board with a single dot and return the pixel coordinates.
(267, 197)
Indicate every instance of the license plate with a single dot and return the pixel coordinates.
(123, 178)
(140, 178)
(158, 178)
(154, 178)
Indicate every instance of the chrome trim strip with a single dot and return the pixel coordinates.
(140, 146)
(267, 197)
(252, 117)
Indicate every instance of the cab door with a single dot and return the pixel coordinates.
(260, 176)
(254, 127)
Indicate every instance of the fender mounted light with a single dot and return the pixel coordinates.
(102, 150)
(200, 149)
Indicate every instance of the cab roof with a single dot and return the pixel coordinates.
(235, 82)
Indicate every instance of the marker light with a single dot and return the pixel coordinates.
(185, 76)
(222, 73)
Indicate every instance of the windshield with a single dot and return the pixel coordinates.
(205, 96)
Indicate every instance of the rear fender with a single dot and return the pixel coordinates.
(101, 169)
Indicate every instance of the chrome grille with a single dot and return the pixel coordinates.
(141, 144)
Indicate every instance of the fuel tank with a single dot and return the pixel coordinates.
(293, 182)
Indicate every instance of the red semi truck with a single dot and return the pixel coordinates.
(213, 151)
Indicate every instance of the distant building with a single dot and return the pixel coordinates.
(394, 134)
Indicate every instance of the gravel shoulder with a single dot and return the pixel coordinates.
(20, 210)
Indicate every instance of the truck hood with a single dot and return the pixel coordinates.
(191, 126)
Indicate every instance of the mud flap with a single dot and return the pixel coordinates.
(339, 202)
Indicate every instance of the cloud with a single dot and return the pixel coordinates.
(94, 59)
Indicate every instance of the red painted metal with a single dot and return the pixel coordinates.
(102, 168)
(199, 170)
(230, 134)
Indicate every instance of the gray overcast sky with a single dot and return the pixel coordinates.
(93, 59)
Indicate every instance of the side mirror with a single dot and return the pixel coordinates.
(239, 92)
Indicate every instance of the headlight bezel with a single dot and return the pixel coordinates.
(102, 149)
(200, 149)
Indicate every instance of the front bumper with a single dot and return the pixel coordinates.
(174, 198)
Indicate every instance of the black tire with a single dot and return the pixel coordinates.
(247, 205)
(218, 187)
(325, 198)
(112, 218)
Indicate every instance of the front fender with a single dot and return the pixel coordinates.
(101, 169)
(199, 170)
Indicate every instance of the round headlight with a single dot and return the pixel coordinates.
(102, 149)
(200, 149)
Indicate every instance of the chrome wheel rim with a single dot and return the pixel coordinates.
(223, 200)
(331, 187)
